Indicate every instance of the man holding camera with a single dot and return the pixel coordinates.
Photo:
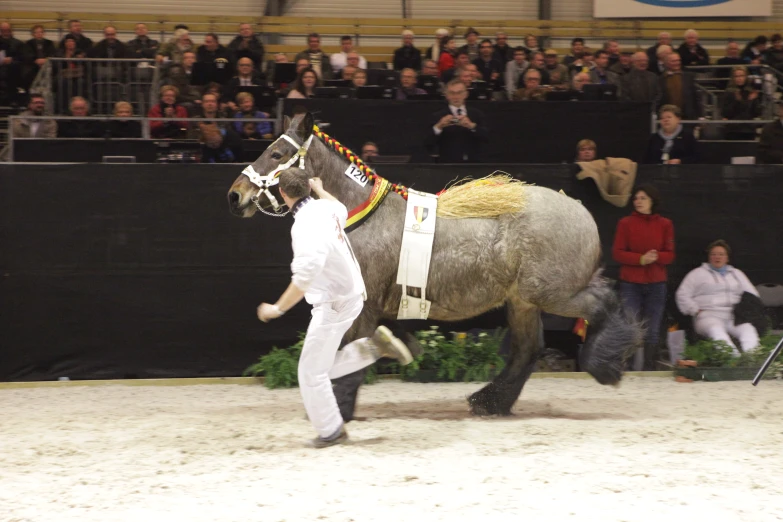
(457, 134)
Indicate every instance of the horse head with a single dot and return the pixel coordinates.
(256, 188)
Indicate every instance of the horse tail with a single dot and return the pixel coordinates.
(613, 334)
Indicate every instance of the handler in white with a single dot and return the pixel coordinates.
(326, 274)
(709, 294)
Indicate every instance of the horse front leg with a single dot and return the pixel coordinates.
(527, 341)
(346, 388)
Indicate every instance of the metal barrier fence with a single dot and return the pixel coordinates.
(101, 81)
(110, 127)
(768, 81)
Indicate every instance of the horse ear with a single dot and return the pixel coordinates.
(286, 122)
(306, 126)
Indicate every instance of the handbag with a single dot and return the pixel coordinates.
(750, 309)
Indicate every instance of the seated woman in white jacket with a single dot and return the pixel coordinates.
(709, 294)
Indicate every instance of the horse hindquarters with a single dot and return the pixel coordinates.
(527, 340)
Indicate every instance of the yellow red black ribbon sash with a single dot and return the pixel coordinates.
(359, 215)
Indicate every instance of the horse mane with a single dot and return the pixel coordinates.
(487, 197)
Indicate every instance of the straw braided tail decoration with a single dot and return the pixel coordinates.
(356, 160)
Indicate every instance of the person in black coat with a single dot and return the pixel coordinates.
(407, 56)
(457, 133)
(672, 144)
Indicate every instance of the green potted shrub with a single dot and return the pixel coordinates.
(709, 360)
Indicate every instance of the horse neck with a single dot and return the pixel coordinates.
(331, 167)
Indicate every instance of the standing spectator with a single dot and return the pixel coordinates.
(37, 50)
(673, 144)
(740, 102)
(173, 50)
(664, 38)
(247, 45)
(433, 53)
(407, 56)
(623, 65)
(502, 51)
(709, 294)
(640, 85)
(489, 68)
(458, 133)
(557, 72)
(612, 48)
(340, 60)
(472, 47)
(577, 48)
(24, 128)
(318, 60)
(13, 51)
(644, 247)
(369, 151)
(658, 64)
(109, 47)
(532, 45)
(773, 56)
(770, 149)
(754, 51)
(213, 52)
(678, 88)
(181, 77)
(691, 52)
(142, 46)
(447, 54)
(75, 31)
(168, 108)
(601, 73)
(514, 70)
(732, 58)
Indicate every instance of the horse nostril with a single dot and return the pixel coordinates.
(233, 198)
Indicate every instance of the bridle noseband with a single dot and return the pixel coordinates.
(264, 183)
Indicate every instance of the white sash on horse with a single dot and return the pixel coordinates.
(416, 253)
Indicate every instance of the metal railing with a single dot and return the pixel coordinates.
(768, 78)
(101, 81)
(189, 130)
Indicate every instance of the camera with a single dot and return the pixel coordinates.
(454, 121)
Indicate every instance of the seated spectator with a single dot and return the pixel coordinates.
(348, 72)
(586, 150)
(537, 62)
(640, 85)
(142, 46)
(122, 128)
(754, 51)
(369, 151)
(532, 91)
(770, 149)
(305, 84)
(472, 47)
(109, 47)
(740, 102)
(69, 74)
(181, 77)
(429, 68)
(168, 108)
(408, 85)
(678, 88)
(225, 107)
(359, 78)
(612, 48)
(773, 56)
(247, 45)
(664, 38)
(215, 53)
(579, 81)
(219, 144)
(623, 65)
(246, 110)
(577, 49)
(79, 128)
(407, 56)
(672, 144)
(583, 64)
(246, 77)
(488, 67)
(172, 51)
(601, 74)
(341, 59)
(658, 66)
(558, 73)
(24, 128)
(250, 131)
(37, 50)
(514, 70)
(532, 45)
(461, 60)
(710, 292)
(83, 43)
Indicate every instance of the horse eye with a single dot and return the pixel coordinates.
(276, 155)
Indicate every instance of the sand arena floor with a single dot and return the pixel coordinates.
(650, 450)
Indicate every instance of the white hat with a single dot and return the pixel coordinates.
(407, 32)
(442, 32)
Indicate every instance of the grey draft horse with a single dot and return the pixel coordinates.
(545, 258)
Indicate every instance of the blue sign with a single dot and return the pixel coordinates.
(682, 3)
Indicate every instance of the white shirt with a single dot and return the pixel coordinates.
(456, 112)
(706, 290)
(339, 60)
(324, 265)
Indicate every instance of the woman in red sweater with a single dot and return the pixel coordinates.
(644, 245)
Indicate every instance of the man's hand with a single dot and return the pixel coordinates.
(465, 122)
(266, 312)
(674, 162)
(650, 257)
(444, 121)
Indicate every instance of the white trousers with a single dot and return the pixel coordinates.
(719, 327)
(321, 361)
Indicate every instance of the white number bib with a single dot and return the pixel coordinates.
(357, 175)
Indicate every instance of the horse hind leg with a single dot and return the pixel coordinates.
(527, 341)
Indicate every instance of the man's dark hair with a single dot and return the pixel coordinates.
(213, 35)
(485, 41)
(601, 52)
(345, 38)
(294, 182)
(579, 40)
(719, 243)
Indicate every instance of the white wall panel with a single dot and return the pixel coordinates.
(471, 9)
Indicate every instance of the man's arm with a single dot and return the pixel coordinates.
(317, 186)
(292, 295)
